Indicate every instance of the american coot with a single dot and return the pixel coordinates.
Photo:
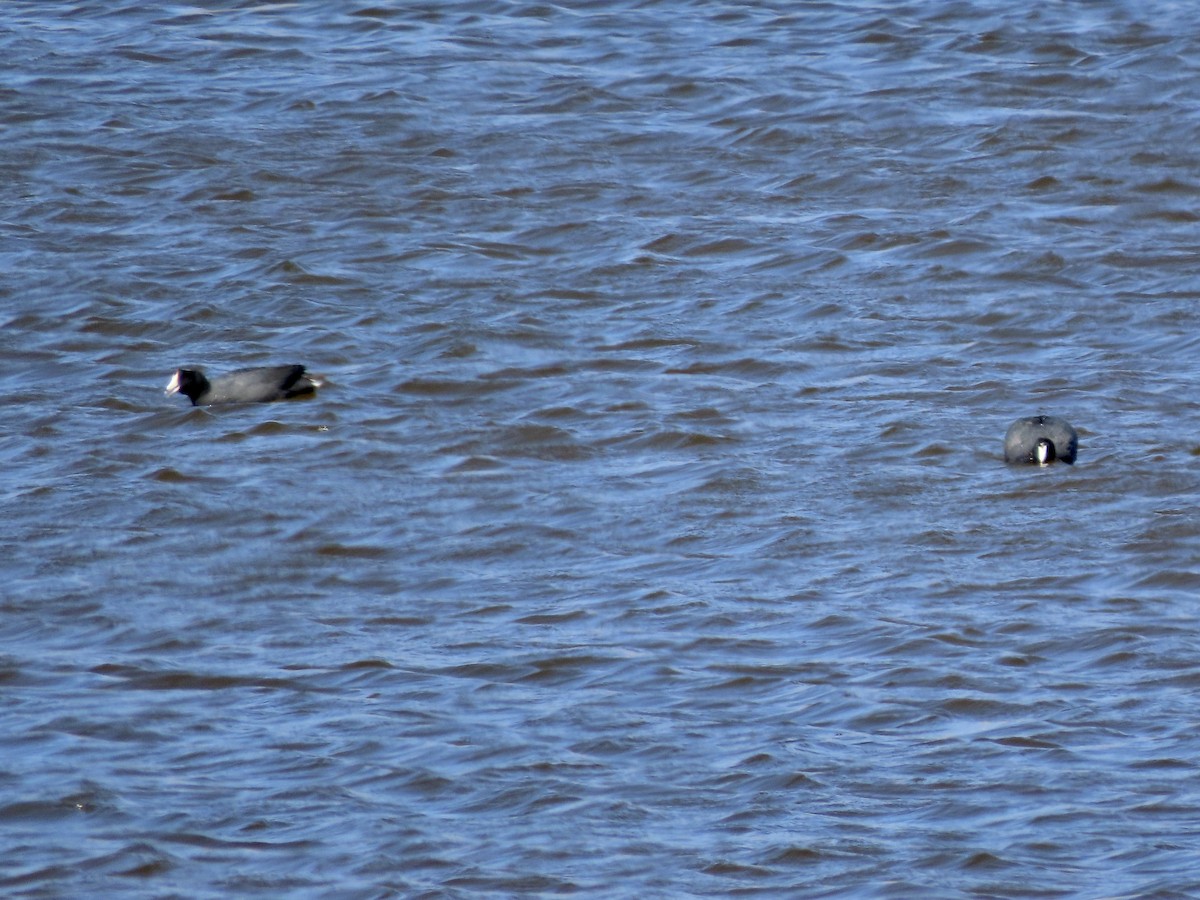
(1040, 440)
(260, 385)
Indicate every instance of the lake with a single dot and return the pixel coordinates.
(651, 536)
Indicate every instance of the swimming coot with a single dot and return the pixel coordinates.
(261, 385)
(1040, 440)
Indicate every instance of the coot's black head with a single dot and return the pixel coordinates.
(189, 382)
(1044, 452)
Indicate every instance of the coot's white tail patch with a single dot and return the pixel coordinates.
(1044, 452)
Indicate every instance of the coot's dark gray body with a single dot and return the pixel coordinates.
(261, 385)
(1055, 437)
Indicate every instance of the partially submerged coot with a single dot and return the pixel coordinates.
(260, 385)
(1040, 440)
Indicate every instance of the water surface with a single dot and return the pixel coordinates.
(652, 536)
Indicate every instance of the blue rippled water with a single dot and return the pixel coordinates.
(652, 535)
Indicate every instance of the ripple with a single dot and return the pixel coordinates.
(655, 514)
